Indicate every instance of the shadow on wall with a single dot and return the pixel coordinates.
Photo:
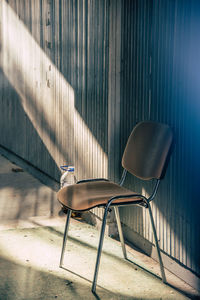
(17, 131)
(47, 99)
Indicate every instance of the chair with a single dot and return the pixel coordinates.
(145, 157)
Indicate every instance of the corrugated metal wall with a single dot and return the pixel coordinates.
(160, 81)
(54, 83)
(91, 88)
(37, 100)
(77, 75)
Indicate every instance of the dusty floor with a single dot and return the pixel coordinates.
(31, 233)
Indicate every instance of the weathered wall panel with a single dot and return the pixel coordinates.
(92, 88)
(54, 83)
(159, 82)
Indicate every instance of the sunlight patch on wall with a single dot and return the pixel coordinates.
(46, 97)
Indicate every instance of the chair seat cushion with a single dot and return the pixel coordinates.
(86, 195)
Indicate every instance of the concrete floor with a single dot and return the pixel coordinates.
(31, 232)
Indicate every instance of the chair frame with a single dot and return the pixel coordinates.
(145, 203)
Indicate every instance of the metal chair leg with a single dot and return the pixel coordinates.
(65, 236)
(157, 245)
(99, 250)
(119, 226)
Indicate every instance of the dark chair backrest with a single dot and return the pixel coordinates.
(147, 150)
